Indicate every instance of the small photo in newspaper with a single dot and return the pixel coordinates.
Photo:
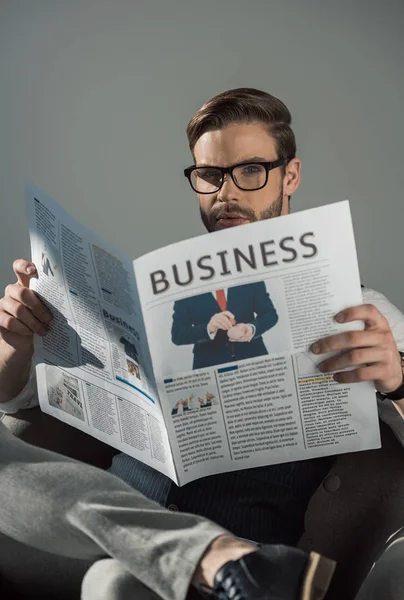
(193, 401)
(127, 361)
(50, 265)
(64, 392)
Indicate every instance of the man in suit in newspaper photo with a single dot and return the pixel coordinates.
(225, 325)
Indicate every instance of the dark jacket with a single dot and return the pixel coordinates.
(249, 303)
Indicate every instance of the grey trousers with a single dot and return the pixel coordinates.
(139, 550)
(55, 504)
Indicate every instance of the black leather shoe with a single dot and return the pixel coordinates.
(273, 573)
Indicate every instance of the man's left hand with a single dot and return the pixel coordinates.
(241, 333)
(373, 351)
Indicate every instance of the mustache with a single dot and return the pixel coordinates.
(219, 211)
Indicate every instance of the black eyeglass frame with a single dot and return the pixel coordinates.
(269, 166)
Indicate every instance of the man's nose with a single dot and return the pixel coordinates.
(229, 191)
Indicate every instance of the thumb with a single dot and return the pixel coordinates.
(24, 271)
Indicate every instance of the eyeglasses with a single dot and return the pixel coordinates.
(247, 176)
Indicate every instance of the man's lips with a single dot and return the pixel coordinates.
(231, 219)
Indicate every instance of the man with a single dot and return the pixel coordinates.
(245, 170)
(226, 326)
(191, 403)
(211, 400)
(176, 408)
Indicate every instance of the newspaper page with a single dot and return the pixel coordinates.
(93, 368)
(253, 395)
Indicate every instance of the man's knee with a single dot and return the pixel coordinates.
(107, 579)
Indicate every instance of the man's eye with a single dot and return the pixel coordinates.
(251, 170)
(212, 174)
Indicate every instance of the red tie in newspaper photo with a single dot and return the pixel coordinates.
(221, 299)
(222, 302)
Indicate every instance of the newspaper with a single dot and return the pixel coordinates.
(138, 357)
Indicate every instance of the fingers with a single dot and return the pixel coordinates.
(237, 333)
(30, 300)
(21, 311)
(222, 321)
(240, 339)
(366, 312)
(381, 364)
(24, 271)
(18, 318)
(10, 323)
(373, 373)
(351, 339)
(228, 314)
(356, 358)
(373, 351)
(240, 333)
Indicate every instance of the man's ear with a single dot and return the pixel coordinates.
(291, 179)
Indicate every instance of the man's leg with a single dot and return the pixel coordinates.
(386, 579)
(107, 579)
(68, 508)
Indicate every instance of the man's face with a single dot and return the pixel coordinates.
(230, 206)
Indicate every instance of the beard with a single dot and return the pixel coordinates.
(210, 217)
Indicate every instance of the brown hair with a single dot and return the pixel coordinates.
(245, 105)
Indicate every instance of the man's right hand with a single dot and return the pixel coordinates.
(22, 313)
(224, 320)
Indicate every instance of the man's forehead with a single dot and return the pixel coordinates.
(235, 143)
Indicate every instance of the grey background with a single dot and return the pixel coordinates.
(95, 96)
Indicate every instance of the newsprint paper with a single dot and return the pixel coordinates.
(195, 358)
